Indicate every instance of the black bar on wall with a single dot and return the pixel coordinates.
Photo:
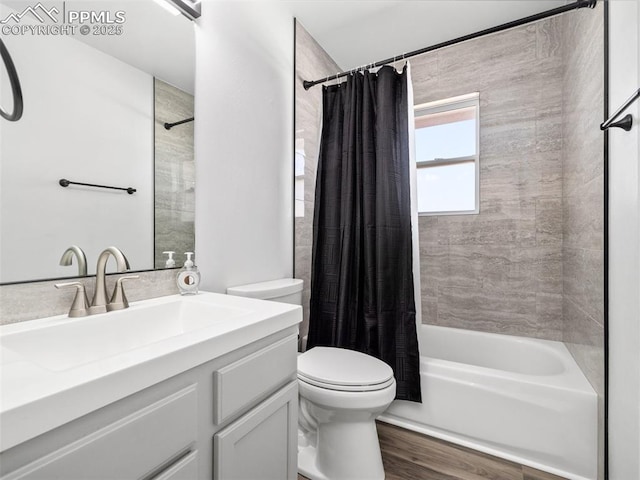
(505, 26)
(605, 246)
(65, 183)
(169, 126)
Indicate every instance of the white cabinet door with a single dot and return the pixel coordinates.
(261, 445)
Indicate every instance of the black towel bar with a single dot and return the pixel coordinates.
(65, 183)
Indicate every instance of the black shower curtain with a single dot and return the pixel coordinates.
(362, 295)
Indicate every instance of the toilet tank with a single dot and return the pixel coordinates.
(284, 290)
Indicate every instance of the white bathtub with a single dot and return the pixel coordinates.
(517, 398)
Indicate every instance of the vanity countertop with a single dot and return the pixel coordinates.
(55, 370)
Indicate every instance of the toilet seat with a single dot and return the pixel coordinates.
(343, 370)
(346, 388)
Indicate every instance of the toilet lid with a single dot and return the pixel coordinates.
(342, 369)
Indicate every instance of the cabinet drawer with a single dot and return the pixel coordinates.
(240, 384)
(127, 449)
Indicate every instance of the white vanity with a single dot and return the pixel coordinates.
(171, 388)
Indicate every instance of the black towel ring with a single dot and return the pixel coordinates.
(15, 86)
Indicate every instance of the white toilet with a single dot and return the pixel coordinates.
(341, 393)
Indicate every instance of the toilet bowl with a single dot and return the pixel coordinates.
(341, 392)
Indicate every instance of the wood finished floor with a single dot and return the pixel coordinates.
(411, 456)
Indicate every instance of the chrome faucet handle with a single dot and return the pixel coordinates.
(80, 305)
(119, 299)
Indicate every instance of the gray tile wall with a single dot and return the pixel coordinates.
(174, 175)
(583, 197)
(312, 62)
(501, 270)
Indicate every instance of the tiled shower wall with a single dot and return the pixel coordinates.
(583, 193)
(583, 198)
(312, 62)
(501, 270)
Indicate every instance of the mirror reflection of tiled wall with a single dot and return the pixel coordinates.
(174, 174)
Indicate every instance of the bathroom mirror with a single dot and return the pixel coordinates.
(100, 79)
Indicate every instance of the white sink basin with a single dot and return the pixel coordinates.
(69, 344)
(54, 370)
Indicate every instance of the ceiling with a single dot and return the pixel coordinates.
(353, 32)
(152, 39)
(358, 32)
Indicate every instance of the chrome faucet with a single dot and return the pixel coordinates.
(67, 259)
(100, 298)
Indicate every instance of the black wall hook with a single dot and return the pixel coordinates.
(627, 121)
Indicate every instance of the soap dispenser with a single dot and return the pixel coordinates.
(170, 263)
(188, 277)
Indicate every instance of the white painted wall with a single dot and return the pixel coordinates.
(89, 118)
(624, 247)
(244, 143)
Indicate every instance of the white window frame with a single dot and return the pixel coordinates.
(454, 103)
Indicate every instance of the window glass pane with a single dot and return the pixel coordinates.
(299, 164)
(299, 197)
(447, 140)
(447, 188)
(299, 189)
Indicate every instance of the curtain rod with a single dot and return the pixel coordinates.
(516, 23)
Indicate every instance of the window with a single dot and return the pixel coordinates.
(299, 177)
(447, 155)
